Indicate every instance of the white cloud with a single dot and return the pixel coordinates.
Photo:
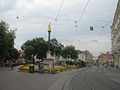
(34, 16)
(18, 44)
(90, 43)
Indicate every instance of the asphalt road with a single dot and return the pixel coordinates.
(13, 80)
(92, 78)
(96, 78)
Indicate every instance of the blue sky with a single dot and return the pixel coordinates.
(34, 16)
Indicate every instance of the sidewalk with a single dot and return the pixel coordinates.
(9, 68)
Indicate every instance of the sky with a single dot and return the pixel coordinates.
(35, 15)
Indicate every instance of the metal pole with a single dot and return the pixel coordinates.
(49, 36)
(49, 40)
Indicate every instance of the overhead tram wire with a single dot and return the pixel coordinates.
(81, 17)
(100, 34)
(82, 12)
(104, 28)
(77, 22)
(77, 33)
(56, 18)
(59, 10)
(107, 24)
(82, 45)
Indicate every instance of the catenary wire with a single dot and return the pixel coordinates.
(83, 12)
(59, 10)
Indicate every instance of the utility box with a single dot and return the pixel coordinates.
(31, 68)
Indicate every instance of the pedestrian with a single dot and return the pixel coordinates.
(40, 66)
(12, 65)
(116, 66)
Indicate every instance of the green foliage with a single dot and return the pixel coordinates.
(29, 52)
(7, 37)
(38, 47)
(56, 47)
(35, 47)
(70, 52)
(14, 54)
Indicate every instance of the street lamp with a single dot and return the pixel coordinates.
(49, 31)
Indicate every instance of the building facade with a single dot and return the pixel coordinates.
(115, 36)
(21, 56)
(104, 58)
(81, 56)
(88, 57)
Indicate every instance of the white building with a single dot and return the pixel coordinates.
(81, 56)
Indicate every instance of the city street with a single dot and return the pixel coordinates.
(60, 45)
(13, 80)
(92, 78)
(96, 78)
(10, 80)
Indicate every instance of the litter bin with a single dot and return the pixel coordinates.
(31, 68)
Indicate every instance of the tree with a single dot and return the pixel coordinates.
(7, 37)
(15, 54)
(70, 52)
(29, 52)
(55, 47)
(35, 47)
(41, 48)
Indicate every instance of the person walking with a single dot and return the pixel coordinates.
(12, 65)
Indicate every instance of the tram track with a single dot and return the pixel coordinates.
(104, 79)
(93, 79)
(88, 82)
(90, 79)
(85, 80)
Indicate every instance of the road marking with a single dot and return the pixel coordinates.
(111, 76)
(90, 85)
(87, 82)
(115, 80)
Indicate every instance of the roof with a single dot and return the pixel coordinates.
(105, 55)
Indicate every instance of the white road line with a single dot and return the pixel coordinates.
(90, 85)
(115, 80)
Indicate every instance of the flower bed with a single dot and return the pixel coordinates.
(56, 68)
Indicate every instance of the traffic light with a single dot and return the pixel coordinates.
(91, 28)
